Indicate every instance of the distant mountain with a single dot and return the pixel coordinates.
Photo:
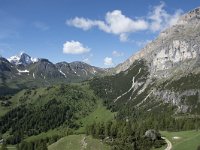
(24, 71)
(80, 69)
(22, 59)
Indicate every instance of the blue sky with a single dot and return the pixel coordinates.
(101, 33)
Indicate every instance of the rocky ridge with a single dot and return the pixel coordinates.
(176, 49)
(173, 61)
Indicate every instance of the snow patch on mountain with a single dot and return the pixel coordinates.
(62, 73)
(22, 59)
(22, 71)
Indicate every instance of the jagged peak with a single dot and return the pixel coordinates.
(22, 58)
(191, 15)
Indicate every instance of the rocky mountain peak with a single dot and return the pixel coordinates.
(190, 16)
(176, 49)
(22, 59)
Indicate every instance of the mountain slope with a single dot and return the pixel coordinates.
(170, 77)
(175, 50)
(24, 71)
(39, 110)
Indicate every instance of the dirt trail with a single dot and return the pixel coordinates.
(169, 144)
(83, 143)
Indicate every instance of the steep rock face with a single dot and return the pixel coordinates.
(176, 48)
(22, 60)
(78, 69)
(45, 69)
(182, 99)
(7, 70)
(173, 62)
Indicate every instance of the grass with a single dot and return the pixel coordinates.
(10, 147)
(60, 131)
(78, 142)
(15, 102)
(3, 110)
(187, 140)
(100, 114)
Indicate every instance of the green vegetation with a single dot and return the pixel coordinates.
(191, 81)
(184, 140)
(43, 109)
(78, 142)
(110, 87)
(123, 135)
(100, 114)
(85, 115)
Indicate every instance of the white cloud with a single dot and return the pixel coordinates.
(123, 37)
(74, 47)
(117, 54)
(108, 61)
(82, 23)
(160, 19)
(118, 24)
(41, 25)
(86, 60)
(115, 23)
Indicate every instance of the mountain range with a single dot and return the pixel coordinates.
(23, 71)
(165, 70)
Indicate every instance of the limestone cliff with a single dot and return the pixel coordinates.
(175, 49)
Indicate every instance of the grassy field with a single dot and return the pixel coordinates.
(101, 114)
(10, 147)
(98, 115)
(78, 142)
(184, 140)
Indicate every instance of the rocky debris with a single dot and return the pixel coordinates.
(178, 98)
(153, 134)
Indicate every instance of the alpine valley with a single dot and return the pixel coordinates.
(77, 106)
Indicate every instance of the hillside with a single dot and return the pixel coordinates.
(77, 142)
(165, 72)
(43, 109)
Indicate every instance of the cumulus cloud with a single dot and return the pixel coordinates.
(82, 23)
(117, 23)
(108, 61)
(160, 19)
(41, 25)
(74, 47)
(117, 54)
